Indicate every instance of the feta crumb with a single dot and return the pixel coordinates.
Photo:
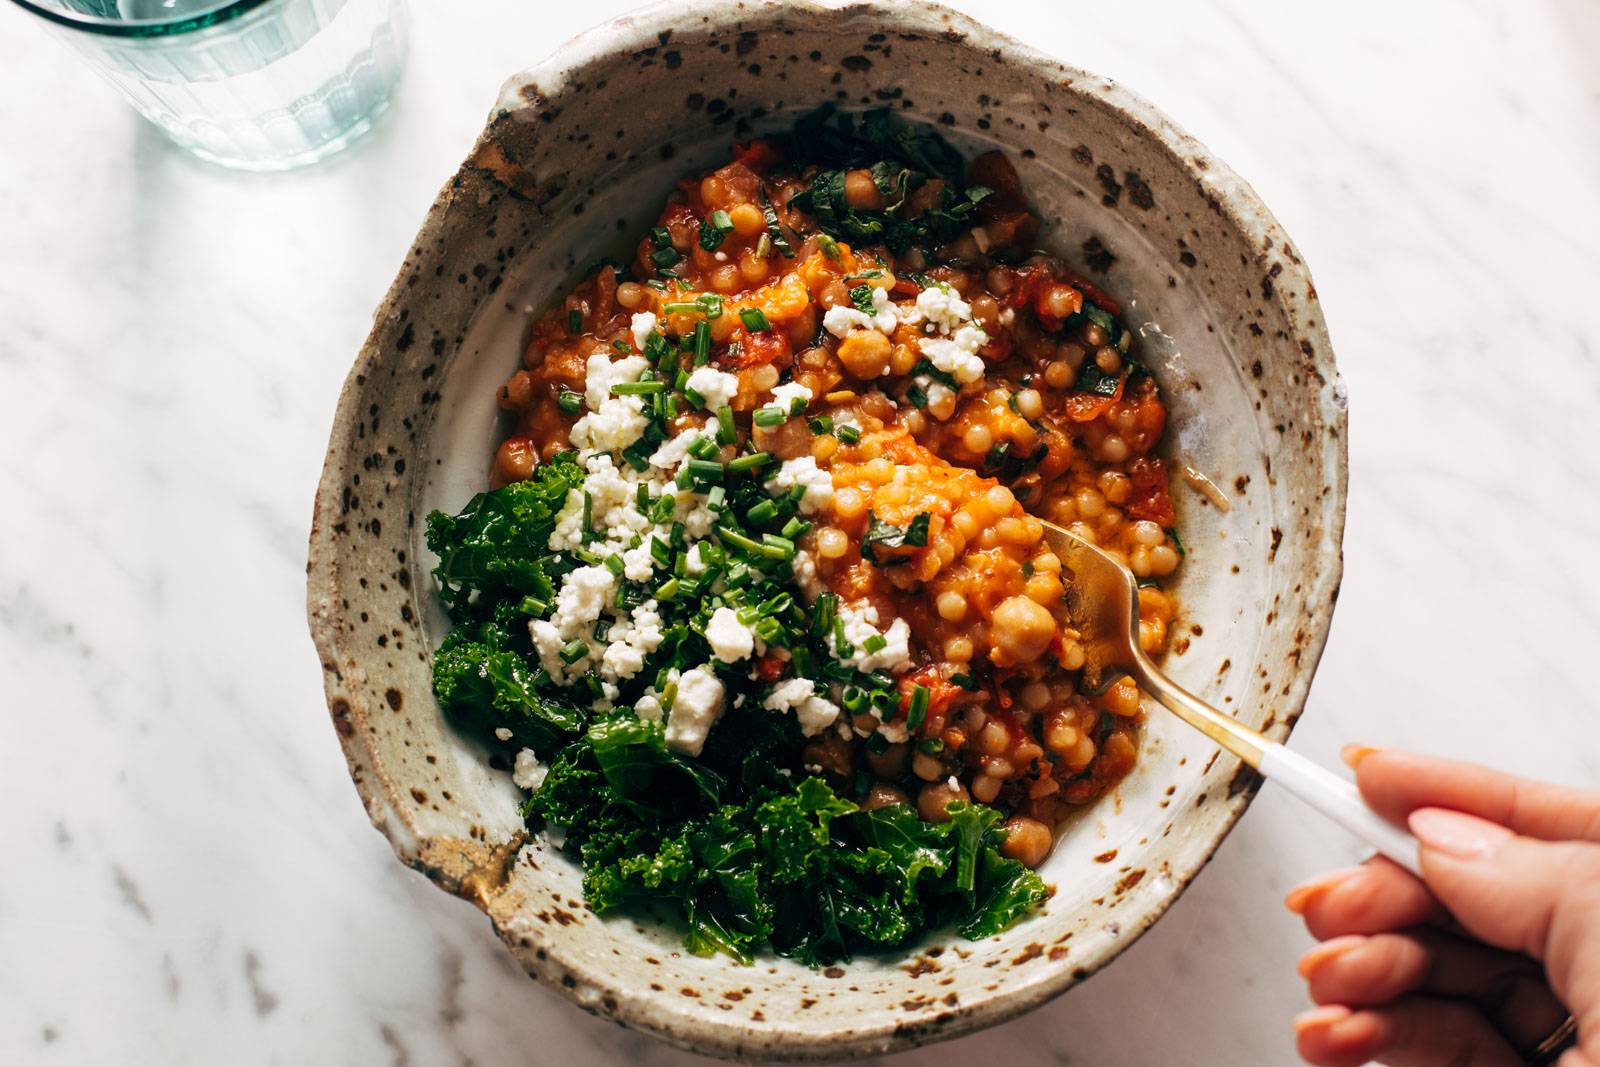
(714, 386)
(615, 424)
(695, 563)
(958, 355)
(785, 395)
(860, 623)
(730, 639)
(528, 773)
(643, 322)
(842, 318)
(502, 733)
(803, 471)
(805, 575)
(695, 709)
(799, 695)
(952, 783)
(943, 307)
(671, 453)
(601, 372)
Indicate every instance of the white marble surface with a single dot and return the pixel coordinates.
(187, 875)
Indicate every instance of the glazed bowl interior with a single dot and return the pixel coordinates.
(569, 171)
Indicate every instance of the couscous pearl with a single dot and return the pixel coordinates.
(831, 542)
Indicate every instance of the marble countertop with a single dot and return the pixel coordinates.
(188, 875)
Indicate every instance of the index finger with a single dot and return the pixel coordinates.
(1395, 783)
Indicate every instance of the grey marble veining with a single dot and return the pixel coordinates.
(188, 876)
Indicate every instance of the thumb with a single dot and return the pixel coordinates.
(1537, 897)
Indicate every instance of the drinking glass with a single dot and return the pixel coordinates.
(255, 84)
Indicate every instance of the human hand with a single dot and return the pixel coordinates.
(1484, 958)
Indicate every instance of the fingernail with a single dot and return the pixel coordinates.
(1327, 950)
(1317, 1018)
(1354, 754)
(1466, 837)
(1301, 896)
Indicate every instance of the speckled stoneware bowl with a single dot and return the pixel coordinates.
(575, 161)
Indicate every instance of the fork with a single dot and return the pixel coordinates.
(1103, 602)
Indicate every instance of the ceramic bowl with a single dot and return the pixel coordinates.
(574, 163)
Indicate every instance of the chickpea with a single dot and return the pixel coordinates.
(515, 394)
(865, 353)
(926, 767)
(993, 739)
(1108, 359)
(514, 461)
(747, 220)
(725, 279)
(752, 268)
(936, 797)
(985, 788)
(986, 310)
(1023, 629)
(891, 763)
(1028, 841)
(828, 751)
(861, 192)
(1062, 300)
(881, 795)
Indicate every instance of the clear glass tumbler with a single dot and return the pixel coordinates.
(255, 84)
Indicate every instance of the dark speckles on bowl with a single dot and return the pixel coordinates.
(575, 159)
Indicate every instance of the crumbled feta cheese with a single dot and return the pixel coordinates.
(799, 695)
(805, 574)
(952, 783)
(671, 453)
(943, 307)
(803, 471)
(842, 318)
(694, 710)
(638, 564)
(694, 562)
(528, 773)
(617, 423)
(643, 322)
(648, 707)
(860, 623)
(601, 372)
(502, 733)
(583, 595)
(730, 639)
(714, 386)
(958, 355)
(785, 395)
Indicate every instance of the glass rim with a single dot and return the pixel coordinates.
(156, 27)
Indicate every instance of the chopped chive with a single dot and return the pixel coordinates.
(762, 513)
(965, 681)
(613, 564)
(854, 699)
(751, 461)
(849, 434)
(796, 528)
(638, 388)
(841, 643)
(702, 447)
(636, 458)
(662, 509)
(764, 246)
(569, 402)
(769, 630)
(931, 745)
(727, 433)
(665, 257)
(691, 395)
(1177, 542)
(669, 589)
(669, 694)
(754, 319)
(660, 552)
(716, 498)
(875, 643)
(702, 343)
(919, 707)
(602, 629)
(918, 396)
(660, 237)
(734, 537)
(710, 237)
(821, 424)
(711, 305)
(776, 547)
(574, 321)
(828, 245)
(532, 605)
(709, 470)
(573, 651)
(621, 346)
(683, 307)
(769, 417)
(641, 498)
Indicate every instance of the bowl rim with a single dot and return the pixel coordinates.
(1294, 296)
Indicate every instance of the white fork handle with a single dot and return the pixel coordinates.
(1340, 800)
